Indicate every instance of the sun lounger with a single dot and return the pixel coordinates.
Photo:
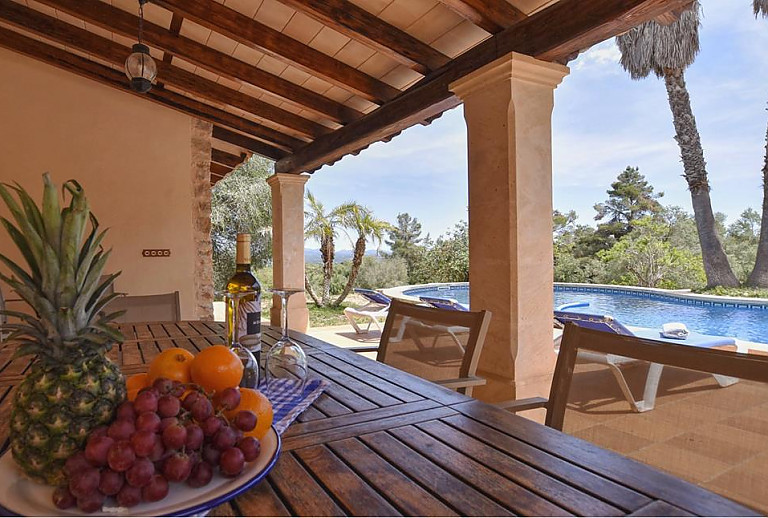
(444, 303)
(376, 308)
(609, 324)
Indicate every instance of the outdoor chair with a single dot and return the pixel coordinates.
(614, 362)
(444, 303)
(147, 308)
(375, 309)
(439, 345)
(578, 339)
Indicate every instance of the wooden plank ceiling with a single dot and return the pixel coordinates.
(305, 82)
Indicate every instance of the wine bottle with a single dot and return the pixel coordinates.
(247, 323)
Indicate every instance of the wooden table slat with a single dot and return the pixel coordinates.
(302, 493)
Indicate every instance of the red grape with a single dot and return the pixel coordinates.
(156, 490)
(121, 456)
(146, 401)
(158, 450)
(143, 442)
(84, 482)
(166, 422)
(148, 421)
(190, 399)
(251, 448)
(224, 438)
(202, 409)
(97, 448)
(177, 467)
(211, 455)
(77, 462)
(163, 385)
(62, 498)
(126, 411)
(178, 389)
(168, 406)
(110, 482)
(91, 502)
(227, 399)
(99, 431)
(140, 473)
(245, 420)
(201, 475)
(231, 462)
(211, 425)
(195, 437)
(174, 436)
(121, 429)
(129, 496)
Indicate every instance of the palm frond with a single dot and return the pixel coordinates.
(760, 7)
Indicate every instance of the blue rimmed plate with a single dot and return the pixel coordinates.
(22, 497)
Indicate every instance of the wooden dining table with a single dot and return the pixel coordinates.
(380, 441)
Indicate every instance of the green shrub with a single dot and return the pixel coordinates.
(380, 272)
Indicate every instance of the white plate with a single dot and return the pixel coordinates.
(20, 496)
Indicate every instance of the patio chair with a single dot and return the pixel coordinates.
(444, 303)
(147, 308)
(376, 308)
(439, 345)
(614, 362)
(578, 339)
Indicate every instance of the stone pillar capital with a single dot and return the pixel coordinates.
(512, 66)
(287, 178)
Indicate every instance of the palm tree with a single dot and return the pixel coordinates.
(322, 226)
(360, 219)
(759, 275)
(667, 50)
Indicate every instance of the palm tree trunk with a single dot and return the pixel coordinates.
(716, 265)
(327, 250)
(357, 260)
(310, 290)
(759, 275)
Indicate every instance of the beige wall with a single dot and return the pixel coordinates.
(132, 157)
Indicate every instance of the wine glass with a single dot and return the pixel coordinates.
(286, 364)
(250, 377)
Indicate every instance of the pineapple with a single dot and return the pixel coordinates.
(72, 387)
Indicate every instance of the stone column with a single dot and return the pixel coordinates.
(288, 246)
(201, 214)
(508, 107)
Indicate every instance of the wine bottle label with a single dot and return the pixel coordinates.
(249, 323)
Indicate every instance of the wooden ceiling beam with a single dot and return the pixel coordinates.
(249, 32)
(121, 22)
(252, 145)
(220, 170)
(551, 34)
(91, 70)
(491, 15)
(227, 159)
(115, 53)
(174, 29)
(358, 24)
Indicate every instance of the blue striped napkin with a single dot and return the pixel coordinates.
(289, 399)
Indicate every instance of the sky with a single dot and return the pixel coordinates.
(602, 122)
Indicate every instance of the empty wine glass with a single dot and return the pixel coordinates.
(250, 377)
(286, 364)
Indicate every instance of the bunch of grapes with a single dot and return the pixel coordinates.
(164, 436)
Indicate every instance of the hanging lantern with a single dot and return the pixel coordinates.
(140, 68)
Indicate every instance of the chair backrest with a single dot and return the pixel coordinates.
(147, 308)
(434, 344)
(444, 303)
(596, 322)
(374, 296)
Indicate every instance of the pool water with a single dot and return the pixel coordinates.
(636, 310)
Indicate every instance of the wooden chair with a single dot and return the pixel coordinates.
(147, 308)
(439, 345)
(576, 339)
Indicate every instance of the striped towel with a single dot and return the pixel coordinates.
(289, 399)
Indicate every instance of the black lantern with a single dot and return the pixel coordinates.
(140, 68)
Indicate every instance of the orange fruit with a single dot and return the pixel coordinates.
(216, 368)
(136, 382)
(173, 364)
(256, 402)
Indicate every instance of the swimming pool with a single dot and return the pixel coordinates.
(648, 308)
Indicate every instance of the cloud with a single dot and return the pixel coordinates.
(603, 56)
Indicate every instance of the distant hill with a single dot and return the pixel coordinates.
(312, 255)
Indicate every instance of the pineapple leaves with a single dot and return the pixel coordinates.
(51, 213)
(33, 240)
(21, 243)
(73, 227)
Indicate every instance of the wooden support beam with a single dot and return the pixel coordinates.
(121, 22)
(220, 170)
(358, 24)
(491, 15)
(174, 29)
(108, 50)
(240, 140)
(551, 34)
(249, 32)
(227, 159)
(86, 68)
